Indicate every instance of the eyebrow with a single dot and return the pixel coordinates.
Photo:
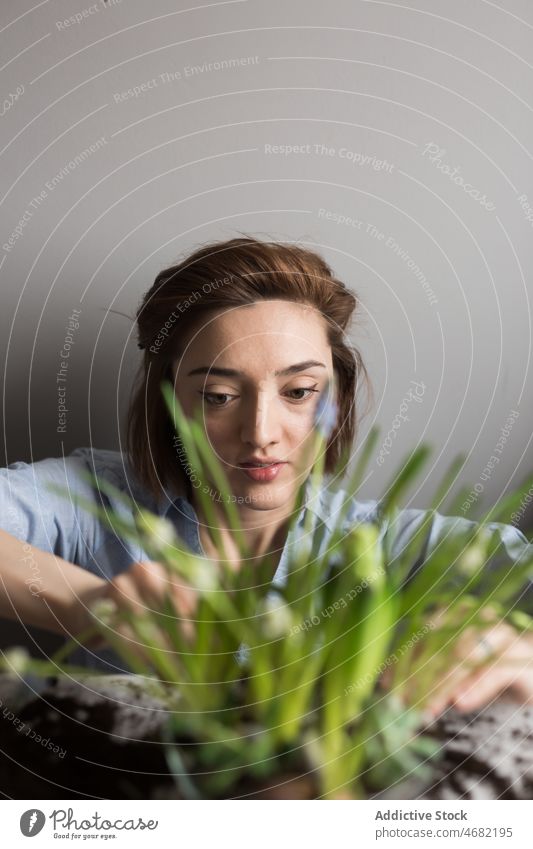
(231, 372)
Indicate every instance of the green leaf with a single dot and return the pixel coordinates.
(403, 478)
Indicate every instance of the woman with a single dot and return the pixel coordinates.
(252, 333)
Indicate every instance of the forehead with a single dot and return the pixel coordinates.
(265, 332)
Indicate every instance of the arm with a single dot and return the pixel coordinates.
(44, 590)
(506, 654)
(516, 545)
(43, 536)
(59, 594)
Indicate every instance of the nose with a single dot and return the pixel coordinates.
(260, 424)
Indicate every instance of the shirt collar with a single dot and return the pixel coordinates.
(316, 505)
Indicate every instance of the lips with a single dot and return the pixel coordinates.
(263, 474)
(261, 463)
(258, 465)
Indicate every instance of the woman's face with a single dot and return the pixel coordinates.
(256, 372)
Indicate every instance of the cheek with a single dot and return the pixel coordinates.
(300, 441)
(221, 435)
(302, 419)
(300, 426)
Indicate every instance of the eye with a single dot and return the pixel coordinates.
(309, 389)
(209, 396)
(216, 399)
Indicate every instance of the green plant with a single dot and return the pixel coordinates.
(307, 695)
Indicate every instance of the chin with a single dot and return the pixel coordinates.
(263, 496)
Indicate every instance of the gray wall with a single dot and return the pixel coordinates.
(413, 122)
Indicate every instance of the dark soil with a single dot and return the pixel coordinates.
(108, 741)
(102, 739)
(487, 755)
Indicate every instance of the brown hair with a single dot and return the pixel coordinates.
(217, 276)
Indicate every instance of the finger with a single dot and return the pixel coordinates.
(479, 689)
(140, 592)
(512, 670)
(150, 584)
(150, 580)
(466, 651)
(185, 598)
(154, 582)
(153, 579)
(490, 644)
(471, 649)
(461, 660)
(125, 592)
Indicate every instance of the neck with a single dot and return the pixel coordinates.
(264, 531)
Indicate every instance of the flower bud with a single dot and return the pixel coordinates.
(326, 412)
(276, 617)
(104, 609)
(475, 555)
(203, 575)
(16, 660)
(160, 532)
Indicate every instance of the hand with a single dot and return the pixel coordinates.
(508, 667)
(140, 590)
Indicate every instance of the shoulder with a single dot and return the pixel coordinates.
(76, 460)
(49, 486)
(112, 467)
(337, 505)
(55, 503)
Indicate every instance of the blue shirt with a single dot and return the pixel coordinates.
(30, 512)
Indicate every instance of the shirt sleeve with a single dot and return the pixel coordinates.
(30, 512)
(515, 547)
